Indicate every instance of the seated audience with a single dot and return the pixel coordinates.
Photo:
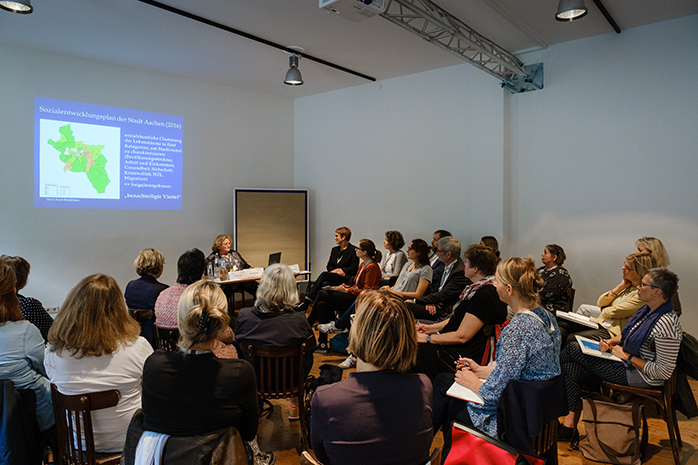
(615, 307)
(142, 293)
(191, 266)
(492, 243)
(462, 335)
(382, 410)
(341, 268)
(191, 391)
(273, 320)
(415, 275)
(641, 366)
(412, 283)
(233, 261)
(528, 349)
(337, 299)
(555, 294)
(654, 247)
(94, 345)
(436, 264)
(438, 304)
(22, 350)
(394, 260)
(32, 310)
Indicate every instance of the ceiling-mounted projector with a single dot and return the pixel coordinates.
(355, 10)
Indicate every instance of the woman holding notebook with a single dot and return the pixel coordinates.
(528, 349)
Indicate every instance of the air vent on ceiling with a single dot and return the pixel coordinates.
(355, 10)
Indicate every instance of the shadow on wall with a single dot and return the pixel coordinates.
(596, 247)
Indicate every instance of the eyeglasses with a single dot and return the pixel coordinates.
(360, 249)
(439, 251)
(643, 285)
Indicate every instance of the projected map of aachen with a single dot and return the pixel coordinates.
(82, 158)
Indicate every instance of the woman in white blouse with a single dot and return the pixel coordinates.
(395, 259)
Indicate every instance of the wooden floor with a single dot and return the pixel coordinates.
(282, 436)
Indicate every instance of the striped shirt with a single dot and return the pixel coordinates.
(667, 334)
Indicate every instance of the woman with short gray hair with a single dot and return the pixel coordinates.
(273, 320)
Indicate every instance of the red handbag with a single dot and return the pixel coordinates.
(473, 447)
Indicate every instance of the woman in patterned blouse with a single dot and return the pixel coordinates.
(555, 294)
(528, 348)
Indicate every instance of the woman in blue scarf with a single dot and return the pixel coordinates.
(654, 324)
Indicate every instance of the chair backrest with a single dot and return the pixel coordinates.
(434, 458)
(570, 292)
(74, 434)
(307, 459)
(167, 338)
(280, 370)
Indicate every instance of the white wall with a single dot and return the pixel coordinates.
(232, 138)
(415, 154)
(604, 154)
(607, 153)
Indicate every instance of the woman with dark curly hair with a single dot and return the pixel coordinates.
(395, 259)
(555, 294)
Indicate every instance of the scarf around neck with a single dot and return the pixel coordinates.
(633, 335)
(471, 289)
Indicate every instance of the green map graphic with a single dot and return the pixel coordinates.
(82, 158)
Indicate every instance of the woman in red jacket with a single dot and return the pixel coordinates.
(337, 299)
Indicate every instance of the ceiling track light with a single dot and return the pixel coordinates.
(293, 75)
(22, 7)
(570, 10)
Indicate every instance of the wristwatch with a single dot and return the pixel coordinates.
(428, 338)
(630, 357)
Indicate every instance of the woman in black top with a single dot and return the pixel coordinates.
(190, 391)
(462, 335)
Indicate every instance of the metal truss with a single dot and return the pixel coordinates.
(434, 24)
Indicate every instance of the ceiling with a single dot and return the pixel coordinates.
(131, 33)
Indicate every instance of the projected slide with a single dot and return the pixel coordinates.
(92, 156)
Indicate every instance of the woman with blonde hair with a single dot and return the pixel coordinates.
(528, 348)
(615, 307)
(22, 350)
(192, 392)
(94, 345)
(142, 293)
(382, 399)
(655, 247)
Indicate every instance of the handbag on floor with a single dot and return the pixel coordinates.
(473, 447)
(613, 430)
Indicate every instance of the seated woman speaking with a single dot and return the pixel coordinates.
(528, 349)
(382, 413)
(461, 335)
(640, 366)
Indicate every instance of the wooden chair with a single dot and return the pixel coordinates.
(434, 458)
(167, 338)
(663, 398)
(281, 374)
(74, 436)
(545, 444)
(570, 292)
(307, 459)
